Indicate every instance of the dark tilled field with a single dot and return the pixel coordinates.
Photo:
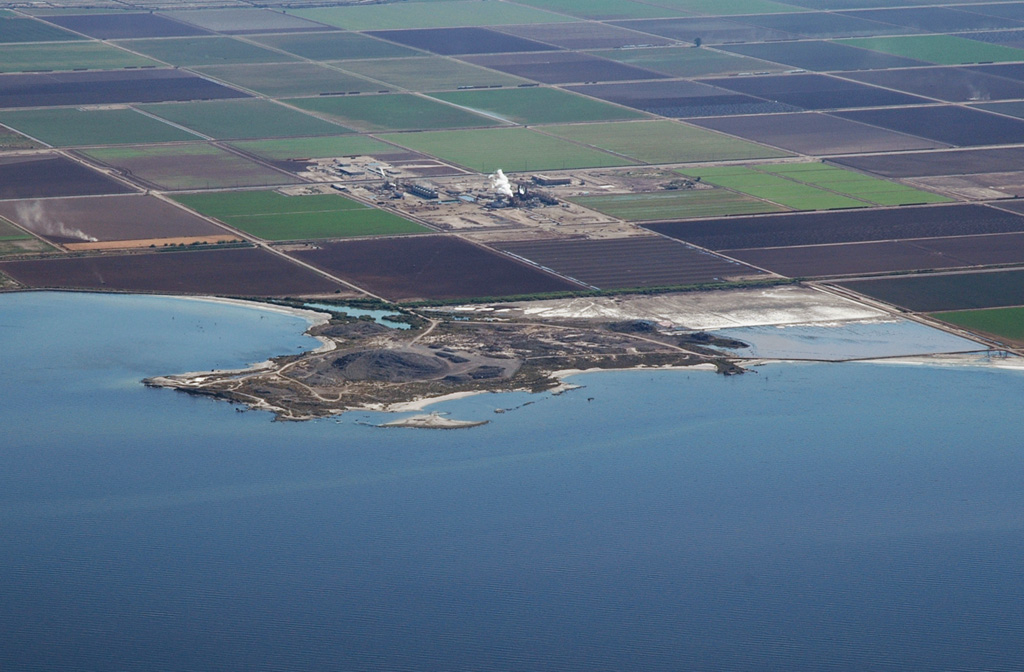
(822, 24)
(44, 176)
(930, 164)
(814, 92)
(430, 268)
(816, 134)
(561, 67)
(105, 87)
(117, 26)
(1009, 70)
(451, 41)
(233, 272)
(831, 260)
(679, 98)
(710, 31)
(72, 220)
(959, 291)
(822, 228)
(628, 262)
(1005, 248)
(583, 35)
(937, 19)
(951, 84)
(814, 55)
(951, 124)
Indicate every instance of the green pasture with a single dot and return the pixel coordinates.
(316, 148)
(72, 127)
(9, 231)
(428, 15)
(273, 216)
(392, 112)
(186, 51)
(1001, 322)
(774, 188)
(942, 49)
(29, 30)
(688, 61)
(858, 185)
(730, 7)
(68, 56)
(243, 119)
(676, 204)
(604, 10)
(335, 46)
(537, 105)
(429, 73)
(511, 149)
(290, 80)
(186, 167)
(663, 142)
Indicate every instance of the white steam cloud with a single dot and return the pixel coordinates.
(32, 216)
(500, 183)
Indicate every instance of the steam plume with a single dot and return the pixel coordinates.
(500, 183)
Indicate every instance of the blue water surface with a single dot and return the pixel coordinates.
(805, 517)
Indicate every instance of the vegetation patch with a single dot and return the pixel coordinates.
(428, 15)
(392, 112)
(205, 51)
(676, 204)
(944, 49)
(243, 119)
(68, 56)
(429, 73)
(71, 127)
(537, 105)
(335, 46)
(290, 80)
(1000, 322)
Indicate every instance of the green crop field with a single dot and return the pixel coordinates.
(728, 7)
(30, 30)
(773, 188)
(428, 15)
(71, 127)
(942, 49)
(537, 105)
(186, 167)
(1001, 322)
(316, 148)
(511, 149)
(858, 185)
(204, 51)
(9, 231)
(688, 61)
(243, 119)
(68, 56)
(663, 142)
(290, 80)
(273, 216)
(603, 10)
(430, 73)
(334, 46)
(676, 204)
(392, 112)
(947, 292)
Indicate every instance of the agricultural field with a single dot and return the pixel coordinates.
(430, 268)
(951, 124)
(10, 140)
(823, 25)
(1002, 323)
(563, 67)
(822, 56)
(816, 134)
(710, 31)
(814, 92)
(521, 150)
(105, 88)
(849, 259)
(243, 20)
(428, 73)
(676, 204)
(15, 30)
(185, 167)
(272, 216)
(76, 127)
(68, 56)
(938, 19)
(456, 41)
(584, 35)
(127, 25)
(663, 142)
(959, 85)
(603, 10)
(946, 292)
(243, 119)
(290, 80)
(688, 61)
(680, 98)
(49, 175)
(732, 7)
(537, 105)
(103, 222)
(858, 185)
(205, 51)
(784, 191)
(444, 14)
(229, 272)
(634, 261)
(926, 164)
(392, 112)
(335, 46)
(940, 49)
(316, 148)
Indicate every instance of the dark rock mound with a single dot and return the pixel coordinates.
(393, 366)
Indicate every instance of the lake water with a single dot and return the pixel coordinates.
(805, 517)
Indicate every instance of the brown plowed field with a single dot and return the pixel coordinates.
(824, 228)
(117, 26)
(561, 67)
(107, 219)
(639, 261)
(820, 55)
(960, 291)
(45, 175)
(679, 98)
(430, 267)
(952, 124)
(106, 87)
(851, 259)
(1004, 248)
(930, 164)
(451, 41)
(814, 92)
(951, 84)
(711, 31)
(815, 134)
(234, 272)
(582, 35)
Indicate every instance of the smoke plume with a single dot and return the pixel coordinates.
(500, 183)
(32, 216)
